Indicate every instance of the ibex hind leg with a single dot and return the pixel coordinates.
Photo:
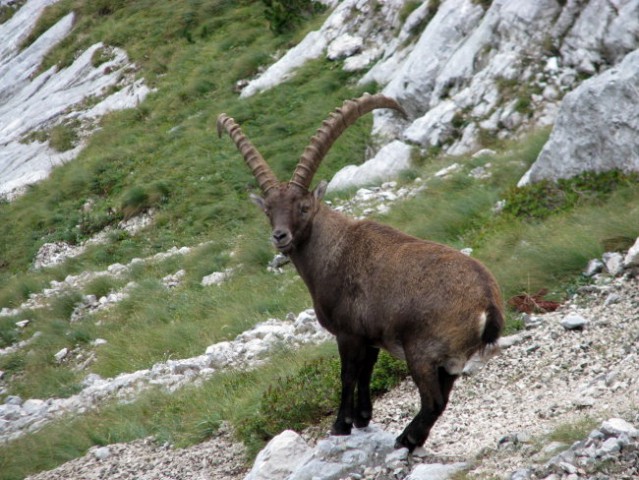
(434, 385)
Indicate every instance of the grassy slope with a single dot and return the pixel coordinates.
(193, 53)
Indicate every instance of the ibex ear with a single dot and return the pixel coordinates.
(257, 200)
(320, 190)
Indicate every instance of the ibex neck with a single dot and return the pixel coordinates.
(322, 252)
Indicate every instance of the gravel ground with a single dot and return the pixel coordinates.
(217, 458)
(498, 419)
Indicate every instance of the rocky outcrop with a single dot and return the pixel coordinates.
(385, 165)
(597, 128)
(465, 72)
(32, 104)
(366, 453)
(246, 351)
(351, 33)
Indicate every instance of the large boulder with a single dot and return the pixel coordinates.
(386, 165)
(283, 455)
(597, 128)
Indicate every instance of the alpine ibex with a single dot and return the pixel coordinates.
(375, 287)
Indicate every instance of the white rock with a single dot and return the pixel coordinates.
(594, 266)
(22, 323)
(617, 426)
(613, 262)
(31, 101)
(446, 171)
(13, 400)
(216, 278)
(436, 471)
(386, 165)
(306, 322)
(610, 446)
(344, 46)
(281, 457)
(484, 152)
(574, 321)
(61, 355)
(597, 128)
(552, 64)
(33, 406)
(102, 453)
(632, 257)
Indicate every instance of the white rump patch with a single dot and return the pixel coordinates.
(455, 365)
(482, 323)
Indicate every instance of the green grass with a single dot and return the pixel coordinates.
(569, 433)
(247, 399)
(165, 156)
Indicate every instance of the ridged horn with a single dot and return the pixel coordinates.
(265, 177)
(338, 121)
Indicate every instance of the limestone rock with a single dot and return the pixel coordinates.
(281, 457)
(345, 46)
(613, 262)
(31, 101)
(617, 426)
(389, 161)
(597, 128)
(632, 257)
(436, 471)
(574, 321)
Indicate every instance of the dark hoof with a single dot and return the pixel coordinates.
(362, 421)
(341, 429)
(403, 441)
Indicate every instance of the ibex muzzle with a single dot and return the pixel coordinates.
(375, 287)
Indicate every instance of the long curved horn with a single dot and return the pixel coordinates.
(338, 121)
(265, 177)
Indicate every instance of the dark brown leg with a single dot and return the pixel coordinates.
(352, 352)
(364, 410)
(434, 386)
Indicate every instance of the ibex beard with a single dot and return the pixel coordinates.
(375, 287)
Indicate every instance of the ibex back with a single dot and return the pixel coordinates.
(375, 287)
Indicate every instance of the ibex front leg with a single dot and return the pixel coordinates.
(353, 353)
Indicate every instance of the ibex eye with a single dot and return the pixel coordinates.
(304, 208)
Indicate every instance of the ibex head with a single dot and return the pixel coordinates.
(290, 206)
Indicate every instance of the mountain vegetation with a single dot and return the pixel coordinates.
(164, 157)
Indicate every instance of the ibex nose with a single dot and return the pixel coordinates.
(280, 236)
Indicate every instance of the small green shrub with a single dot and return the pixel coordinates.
(63, 137)
(14, 363)
(388, 373)
(101, 55)
(294, 402)
(63, 305)
(7, 11)
(571, 432)
(17, 290)
(485, 4)
(105, 176)
(100, 286)
(8, 333)
(284, 15)
(542, 199)
(299, 400)
(102, 7)
(140, 198)
(408, 8)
